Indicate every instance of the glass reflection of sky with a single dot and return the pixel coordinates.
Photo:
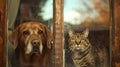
(75, 11)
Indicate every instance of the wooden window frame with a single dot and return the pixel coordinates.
(59, 33)
(3, 33)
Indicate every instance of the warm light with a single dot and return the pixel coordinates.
(75, 11)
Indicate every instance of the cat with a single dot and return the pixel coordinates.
(81, 49)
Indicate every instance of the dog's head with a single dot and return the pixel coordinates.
(31, 37)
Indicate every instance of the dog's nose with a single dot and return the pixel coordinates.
(35, 42)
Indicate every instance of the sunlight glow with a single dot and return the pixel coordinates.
(75, 11)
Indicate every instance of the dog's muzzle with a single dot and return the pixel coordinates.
(35, 45)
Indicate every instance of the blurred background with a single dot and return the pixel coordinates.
(78, 15)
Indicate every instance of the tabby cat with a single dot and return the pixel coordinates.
(81, 49)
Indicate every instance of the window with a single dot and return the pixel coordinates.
(62, 16)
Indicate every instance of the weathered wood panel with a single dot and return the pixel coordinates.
(3, 33)
(58, 33)
(116, 32)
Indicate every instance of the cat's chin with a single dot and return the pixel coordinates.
(77, 48)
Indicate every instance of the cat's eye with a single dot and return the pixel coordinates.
(72, 40)
(82, 41)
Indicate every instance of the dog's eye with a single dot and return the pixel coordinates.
(40, 32)
(26, 32)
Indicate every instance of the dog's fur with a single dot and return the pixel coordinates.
(31, 41)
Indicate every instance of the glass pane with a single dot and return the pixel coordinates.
(30, 32)
(86, 25)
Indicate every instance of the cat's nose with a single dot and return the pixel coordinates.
(77, 42)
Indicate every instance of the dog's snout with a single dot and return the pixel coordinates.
(35, 42)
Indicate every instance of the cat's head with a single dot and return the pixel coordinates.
(78, 41)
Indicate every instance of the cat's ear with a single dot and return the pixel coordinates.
(86, 32)
(70, 32)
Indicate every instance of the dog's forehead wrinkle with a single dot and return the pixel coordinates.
(35, 30)
(32, 25)
(34, 36)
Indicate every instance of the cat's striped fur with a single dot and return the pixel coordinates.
(81, 49)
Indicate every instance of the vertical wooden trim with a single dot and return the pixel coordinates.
(111, 5)
(58, 32)
(116, 27)
(5, 35)
(3, 32)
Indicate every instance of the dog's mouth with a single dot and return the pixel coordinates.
(35, 50)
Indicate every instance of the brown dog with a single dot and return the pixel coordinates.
(31, 41)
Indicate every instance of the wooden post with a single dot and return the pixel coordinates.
(58, 32)
(3, 29)
(116, 30)
(111, 5)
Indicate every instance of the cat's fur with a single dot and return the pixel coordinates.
(81, 52)
(81, 49)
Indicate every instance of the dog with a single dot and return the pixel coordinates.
(32, 44)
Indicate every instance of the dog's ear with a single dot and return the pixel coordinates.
(49, 38)
(13, 38)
